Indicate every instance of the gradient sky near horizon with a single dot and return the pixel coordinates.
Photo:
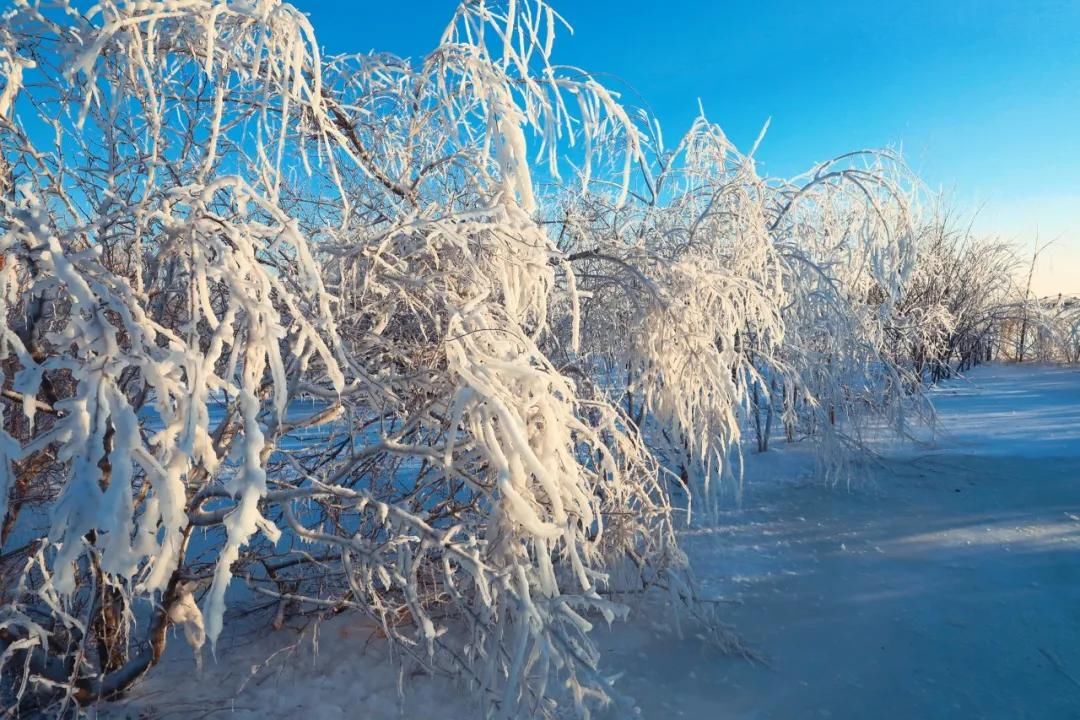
(982, 96)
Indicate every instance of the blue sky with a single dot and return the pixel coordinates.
(983, 96)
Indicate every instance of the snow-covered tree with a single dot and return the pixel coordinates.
(204, 224)
(750, 296)
(961, 294)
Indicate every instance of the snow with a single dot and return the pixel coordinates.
(330, 670)
(1012, 411)
(943, 583)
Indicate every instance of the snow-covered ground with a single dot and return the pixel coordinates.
(945, 583)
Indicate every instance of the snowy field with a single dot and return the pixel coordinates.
(944, 584)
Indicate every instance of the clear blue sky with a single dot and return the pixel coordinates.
(983, 96)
